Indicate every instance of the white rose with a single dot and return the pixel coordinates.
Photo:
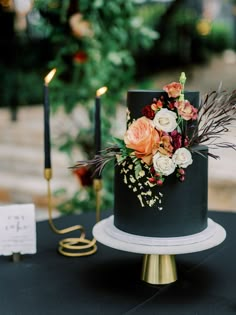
(163, 164)
(165, 120)
(182, 157)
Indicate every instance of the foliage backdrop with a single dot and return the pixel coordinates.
(93, 45)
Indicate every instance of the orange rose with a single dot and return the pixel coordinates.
(143, 138)
(173, 89)
(186, 110)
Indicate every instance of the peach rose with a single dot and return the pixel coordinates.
(186, 110)
(173, 89)
(143, 138)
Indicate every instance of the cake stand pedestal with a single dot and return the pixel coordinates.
(159, 265)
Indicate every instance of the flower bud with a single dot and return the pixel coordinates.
(182, 78)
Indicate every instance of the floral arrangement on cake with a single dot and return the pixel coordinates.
(162, 140)
(158, 139)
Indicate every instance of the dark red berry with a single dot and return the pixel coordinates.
(182, 178)
(159, 182)
(152, 180)
(181, 171)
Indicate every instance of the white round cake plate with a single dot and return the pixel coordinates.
(159, 263)
(106, 233)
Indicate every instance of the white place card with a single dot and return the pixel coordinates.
(17, 229)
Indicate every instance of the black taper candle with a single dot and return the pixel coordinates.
(97, 129)
(97, 132)
(47, 144)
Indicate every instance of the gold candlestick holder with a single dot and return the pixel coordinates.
(97, 185)
(73, 246)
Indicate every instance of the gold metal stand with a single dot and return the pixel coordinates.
(97, 185)
(72, 247)
(159, 269)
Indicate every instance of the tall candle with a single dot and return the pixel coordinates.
(97, 134)
(97, 131)
(47, 144)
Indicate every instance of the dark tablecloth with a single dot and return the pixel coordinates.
(108, 282)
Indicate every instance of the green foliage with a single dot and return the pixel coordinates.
(108, 49)
(151, 13)
(94, 50)
(180, 42)
(220, 37)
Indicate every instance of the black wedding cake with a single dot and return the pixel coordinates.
(153, 203)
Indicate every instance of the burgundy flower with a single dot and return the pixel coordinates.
(186, 141)
(152, 170)
(171, 105)
(148, 112)
(84, 176)
(176, 139)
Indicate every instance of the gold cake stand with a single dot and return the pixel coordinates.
(159, 266)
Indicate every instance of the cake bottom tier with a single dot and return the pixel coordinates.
(181, 209)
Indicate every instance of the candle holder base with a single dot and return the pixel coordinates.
(97, 185)
(74, 246)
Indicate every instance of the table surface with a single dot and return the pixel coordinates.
(108, 282)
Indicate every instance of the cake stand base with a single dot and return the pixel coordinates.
(159, 252)
(159, 269)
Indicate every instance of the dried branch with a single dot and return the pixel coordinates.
(99, 161)
(216, 114)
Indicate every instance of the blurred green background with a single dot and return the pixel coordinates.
(139, 38)
(120, 44)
